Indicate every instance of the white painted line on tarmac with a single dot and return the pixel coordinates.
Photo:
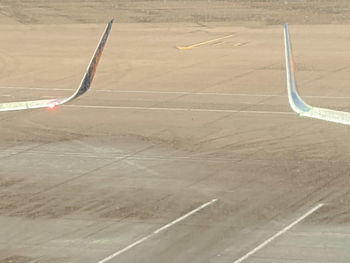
(47, 97)
(159, 230)
(176, 109)
(284, 230)
(180, 93)
(32, 88)
(193, 93)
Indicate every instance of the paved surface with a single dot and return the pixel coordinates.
(162, 132)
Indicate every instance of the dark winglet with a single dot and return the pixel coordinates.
(90, 72)
(83, 87)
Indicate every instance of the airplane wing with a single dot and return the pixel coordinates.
(83, 87)
(296, 102)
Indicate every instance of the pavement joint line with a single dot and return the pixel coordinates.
(142, 168)
(151, 157)
(176, 109)
(279, 233)
(113, 161)
(157, 231)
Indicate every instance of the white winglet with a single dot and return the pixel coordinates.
(83, 87)
(296, 102)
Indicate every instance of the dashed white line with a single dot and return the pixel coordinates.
(175, 109)
(284, 230)
(159, 230)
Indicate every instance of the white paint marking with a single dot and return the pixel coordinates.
(176, 109)
(157, 231)
(192, 93)
(47, 97)
(284, 230)
(179, 93)
(30, 88)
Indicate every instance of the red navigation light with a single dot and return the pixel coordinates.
(52, 106)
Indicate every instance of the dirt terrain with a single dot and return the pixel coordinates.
(183, 150)
(239, 12)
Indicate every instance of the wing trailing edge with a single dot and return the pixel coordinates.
(82, 88)
(295, 100)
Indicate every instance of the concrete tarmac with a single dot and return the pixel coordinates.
(164, 131)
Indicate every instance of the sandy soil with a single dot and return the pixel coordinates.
(240, 12)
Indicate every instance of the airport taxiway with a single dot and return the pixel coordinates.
(165, 131)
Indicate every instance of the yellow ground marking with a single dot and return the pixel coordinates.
(203, 43)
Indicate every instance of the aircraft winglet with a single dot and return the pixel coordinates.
(295, 100)
(83, 87)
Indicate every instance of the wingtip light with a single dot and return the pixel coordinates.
(52, 106)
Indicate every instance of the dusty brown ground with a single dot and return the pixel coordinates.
(159, 134)
(239, 12)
